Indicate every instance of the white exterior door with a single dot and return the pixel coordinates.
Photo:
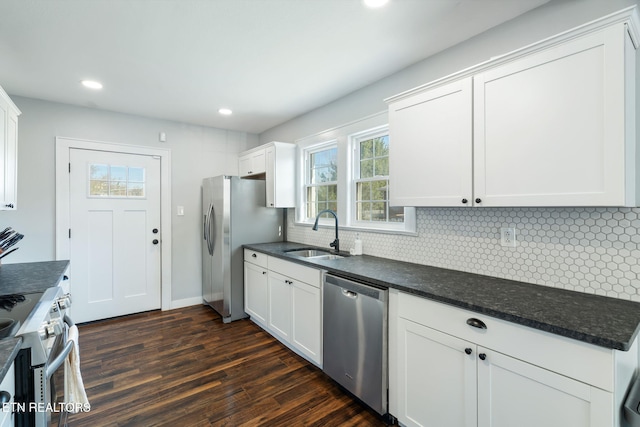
(115, 236)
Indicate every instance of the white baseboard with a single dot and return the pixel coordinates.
(186, 302)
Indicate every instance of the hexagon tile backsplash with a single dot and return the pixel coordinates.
(592, 250)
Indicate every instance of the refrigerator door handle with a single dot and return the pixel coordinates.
(204, 227)
(207, 229)
(212, 229)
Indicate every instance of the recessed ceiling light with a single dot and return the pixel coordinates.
(375, 3)
(225, 111)
(91, 84)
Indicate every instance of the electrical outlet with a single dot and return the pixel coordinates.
(508, 237)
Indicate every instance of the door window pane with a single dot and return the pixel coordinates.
(116, 181)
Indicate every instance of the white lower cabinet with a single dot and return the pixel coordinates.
(280, 305)
(515, 393)
(444, 372)
(255, 292)
(436, 379)
(306, 320)
(285, 299)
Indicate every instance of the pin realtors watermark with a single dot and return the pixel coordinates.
(42, 407)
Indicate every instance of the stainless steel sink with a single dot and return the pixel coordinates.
(327, 256)
(317, 254)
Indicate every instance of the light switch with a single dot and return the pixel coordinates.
(180, 210)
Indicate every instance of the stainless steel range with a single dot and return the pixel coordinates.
(42, 322)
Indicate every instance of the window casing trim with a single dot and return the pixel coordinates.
(342, 137)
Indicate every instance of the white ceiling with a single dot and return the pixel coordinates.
(268, 60)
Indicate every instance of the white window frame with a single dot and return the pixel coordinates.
(354, 146)
(306, 176)
(343, 137)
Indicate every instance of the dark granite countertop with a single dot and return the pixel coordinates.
(29, 277)
(9, 348)
(25, 278)
(607, 322)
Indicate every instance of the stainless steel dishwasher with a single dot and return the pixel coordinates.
(355, 339)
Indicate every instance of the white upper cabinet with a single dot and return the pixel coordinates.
(8, 152)
(552, 124)
(252, 162)
(549, 129)
(275, 163)
(430, 160)
(280, 175)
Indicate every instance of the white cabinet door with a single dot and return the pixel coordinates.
(430, 160)
(8, 153)
(280, 174)
(515, 393)
(270, 176)
(11, 164)
(306, 334)
(280, 305)
(252, 163)
(549, 129)
(436, 378)
(256, 297)
(245, 164)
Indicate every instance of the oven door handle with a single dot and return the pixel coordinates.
(55, 363)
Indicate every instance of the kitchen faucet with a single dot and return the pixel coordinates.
(336, 243)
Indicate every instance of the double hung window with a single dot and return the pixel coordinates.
(371, 179)
(321, 180)
(347, 170)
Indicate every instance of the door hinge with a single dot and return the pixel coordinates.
(69, 233)
(69, 167)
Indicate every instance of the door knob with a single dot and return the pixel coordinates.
(155, 231)
(155, 241)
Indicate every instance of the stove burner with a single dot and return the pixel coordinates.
(7, 302)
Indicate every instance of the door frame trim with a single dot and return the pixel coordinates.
(63, 147)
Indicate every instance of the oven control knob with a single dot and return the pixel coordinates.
(64, 303)
(51, 329)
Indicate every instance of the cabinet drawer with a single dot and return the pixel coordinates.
(257, 258)
(295, 271)
(587, 363)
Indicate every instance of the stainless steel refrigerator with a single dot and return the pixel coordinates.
(234, 213)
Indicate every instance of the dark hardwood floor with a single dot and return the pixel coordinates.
(185, 367)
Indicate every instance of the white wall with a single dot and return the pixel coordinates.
(196, 152)
(593, 250)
